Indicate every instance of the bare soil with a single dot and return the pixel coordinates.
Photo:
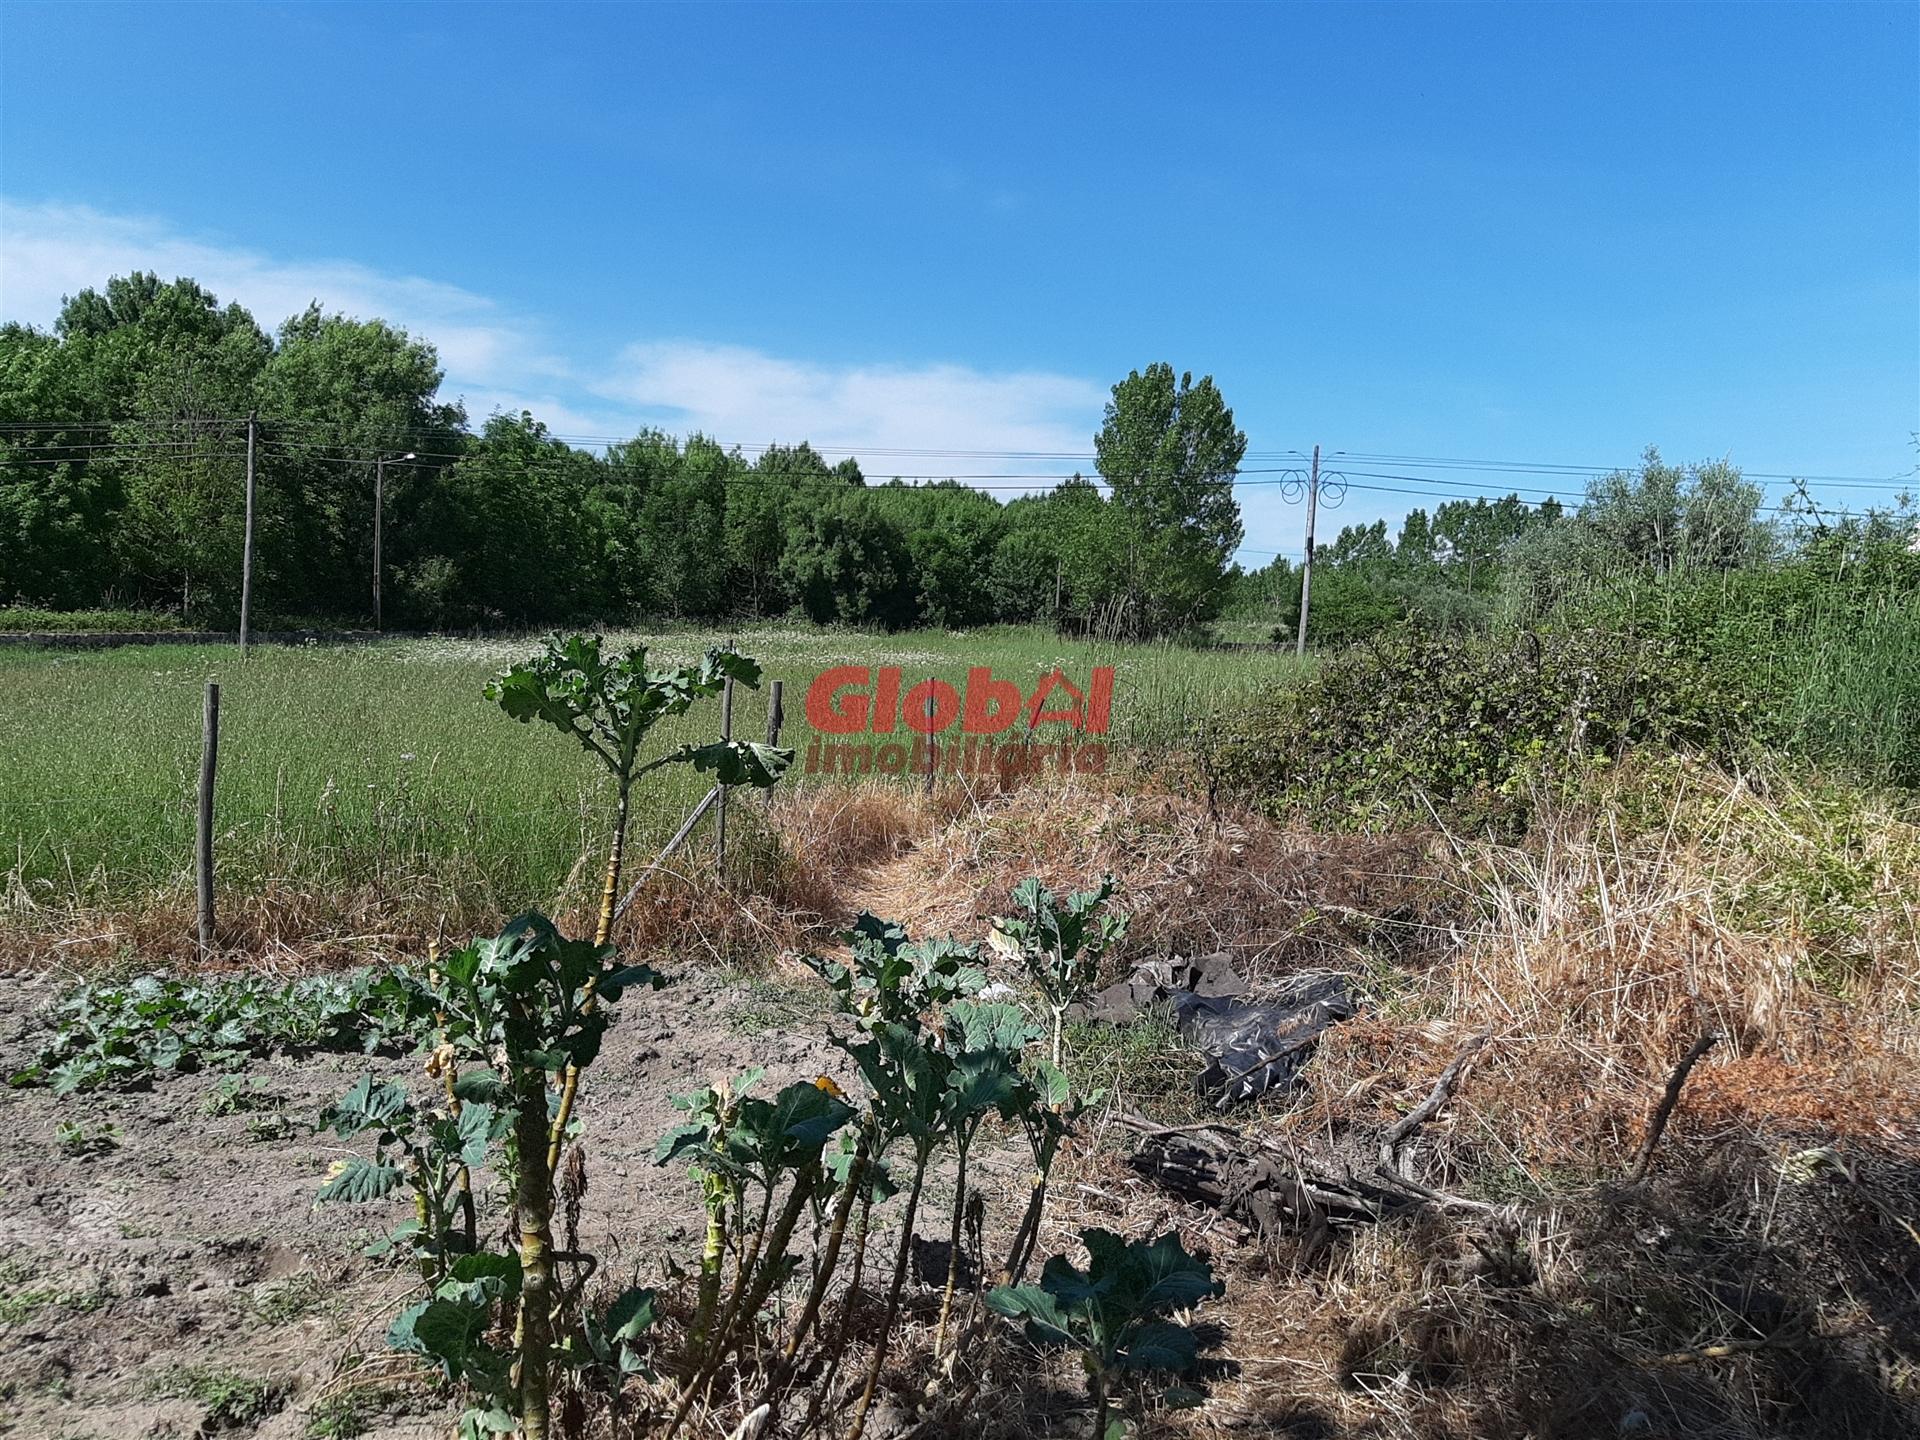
(165, 1247)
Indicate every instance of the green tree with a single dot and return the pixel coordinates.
(1025, 573)
(174, 367)
(1169, 449)
(337, 393)
(57, 506)
(843, 560)
(515, 540)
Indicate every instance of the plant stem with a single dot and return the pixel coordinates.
(1097, 1386)
(534, 1198)
(712, 1253)
(885, 1336)
(602, 933)
(1059, 1032)
(743, 1277)
(449, 1077)
(609, 892)
(843, 1326)
(830, 1256)
(740, 1312)
(953, 1251)
(825, 1263)
(423, 1215)
(775, 1251)
(1026, 1236)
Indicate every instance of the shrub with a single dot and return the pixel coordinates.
(1471, 727)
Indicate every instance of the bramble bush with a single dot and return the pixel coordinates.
(1472, 728)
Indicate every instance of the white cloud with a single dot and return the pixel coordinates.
(747, 397)
(50, 251)
(499, 360)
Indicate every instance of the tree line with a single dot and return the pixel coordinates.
(1481, 563)
(122, 461)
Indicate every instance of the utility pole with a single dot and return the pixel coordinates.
(379, 508)
(246, 549)
(380, 504)
(1306, 569)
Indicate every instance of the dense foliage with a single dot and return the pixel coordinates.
(1474, 727)
(122, 461)
(1494, 644)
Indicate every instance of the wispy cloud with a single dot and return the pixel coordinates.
(500, 359)
(49, 251)
(742, 395)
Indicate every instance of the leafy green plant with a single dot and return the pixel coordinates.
(349, 1413)
(233, 1401)
(985, 1043)
(1047, 1114)
(609, 704)
(1117, 1312)
(737, 1144)
(105, 1035)
(609, 1341)
(1060, 942)
(892, 978)
(529, 1006)
(422, 1149)
(87, 1139)
(291, 1299)
(935, 1064)
(235, 1095)
(273, 1125)
(1414, 723)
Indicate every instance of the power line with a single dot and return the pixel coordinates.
(402, 435)
(1433, 462)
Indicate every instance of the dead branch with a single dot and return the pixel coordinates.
(1663, 1112)
(1396, 1138)
(1726, 1350)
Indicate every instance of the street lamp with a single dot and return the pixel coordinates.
(379, 504)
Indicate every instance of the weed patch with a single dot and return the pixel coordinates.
(233, 1401)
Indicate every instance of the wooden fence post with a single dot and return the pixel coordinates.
(932, 762)
(203, 851)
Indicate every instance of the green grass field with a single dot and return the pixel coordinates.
(384, 766)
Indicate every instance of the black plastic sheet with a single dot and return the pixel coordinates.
(1251, 1046)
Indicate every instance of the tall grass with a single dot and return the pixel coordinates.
(24, 619)
(1833, 648)
(1850, 681)
(382, 770)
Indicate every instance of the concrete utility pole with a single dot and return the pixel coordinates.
(246, 549)
(379, 507)
(1306, 569)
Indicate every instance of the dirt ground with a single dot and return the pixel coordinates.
(166, 1275)
(170, 1249)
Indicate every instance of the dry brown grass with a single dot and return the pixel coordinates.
(1672, 899)
(797, 871)
(1744, 1292)
(1277, 899)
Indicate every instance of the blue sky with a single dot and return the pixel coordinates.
(1539, 232)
